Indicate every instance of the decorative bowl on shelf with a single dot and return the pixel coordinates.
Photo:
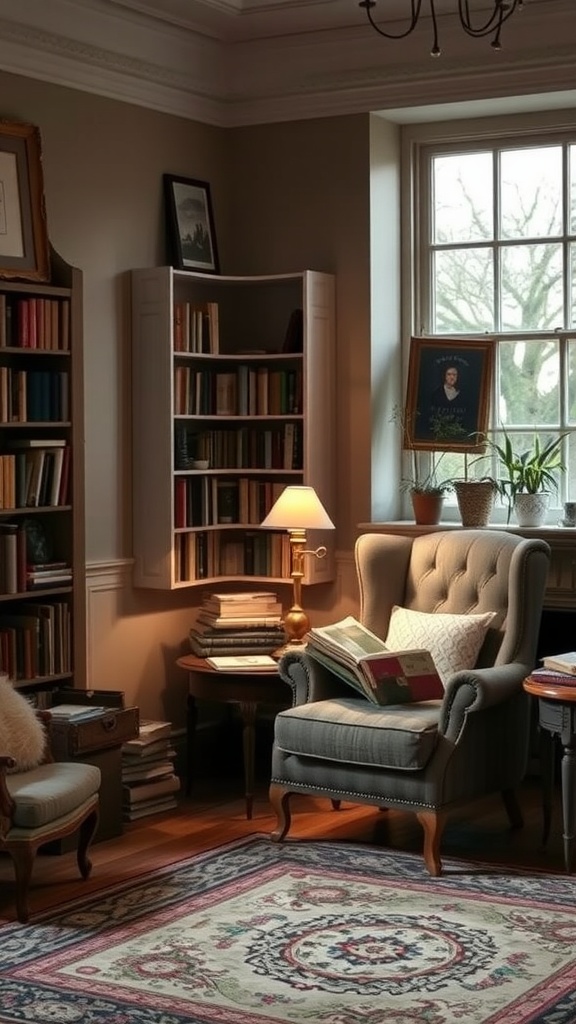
(199, 464)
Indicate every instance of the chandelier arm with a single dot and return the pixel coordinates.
(416, 8)
(502, 11)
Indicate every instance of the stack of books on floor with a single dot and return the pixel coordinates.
(149, 782)
(244, 623)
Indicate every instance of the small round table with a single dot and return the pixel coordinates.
(557, 717)
(248, 690)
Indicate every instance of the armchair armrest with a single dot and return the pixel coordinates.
(309, 680)
(6, 802)
(476, 690)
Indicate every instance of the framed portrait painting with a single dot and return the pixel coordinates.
(448, 394)
(24, 249)
(191, 232)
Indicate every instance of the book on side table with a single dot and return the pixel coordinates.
(565, 663)
(361, 658)
(242, 662)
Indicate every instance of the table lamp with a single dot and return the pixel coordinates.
(298, 509)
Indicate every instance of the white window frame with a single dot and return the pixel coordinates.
(418, 143)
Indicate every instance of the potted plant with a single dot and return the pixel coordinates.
(424, 484)
(528, 477)
(426, 489)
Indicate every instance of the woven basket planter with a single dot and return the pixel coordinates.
(475, 501)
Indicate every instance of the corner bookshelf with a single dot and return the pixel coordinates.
(233, 399)
(42, 551)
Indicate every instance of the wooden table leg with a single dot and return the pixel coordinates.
(547, 750)
(248, 715)
(568, 792)
(191, 720)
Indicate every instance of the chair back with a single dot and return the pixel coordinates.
(459, 572)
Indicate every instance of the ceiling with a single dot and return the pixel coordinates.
(238, 62)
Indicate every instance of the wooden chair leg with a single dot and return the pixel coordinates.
(23, 857)
(336, 804)
(512, 808)
(86, 835)
(280, 800)
(433, 824)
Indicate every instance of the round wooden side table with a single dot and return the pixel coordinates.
(248, 690)
(557, 717)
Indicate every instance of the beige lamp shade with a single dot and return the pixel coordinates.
(298, 508)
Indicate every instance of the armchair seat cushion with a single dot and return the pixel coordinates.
(51, 791)
(353, 731)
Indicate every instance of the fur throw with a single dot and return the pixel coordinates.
(22, 734)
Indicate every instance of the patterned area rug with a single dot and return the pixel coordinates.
(301, 933)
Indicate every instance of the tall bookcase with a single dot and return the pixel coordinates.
(42, 551)
(233, 399)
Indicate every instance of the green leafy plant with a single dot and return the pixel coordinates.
(424, 476)
(527, 472)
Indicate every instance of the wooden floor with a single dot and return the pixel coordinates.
(216, 815)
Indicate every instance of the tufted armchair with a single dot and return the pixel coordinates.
(424, 757)
(40, 800)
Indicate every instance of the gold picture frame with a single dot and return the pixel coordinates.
(24, 248)
(448, 394)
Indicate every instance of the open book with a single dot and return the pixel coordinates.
(361, 658)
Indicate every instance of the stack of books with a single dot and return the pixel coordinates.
(244, 623)
(558, 669)
(149, 782)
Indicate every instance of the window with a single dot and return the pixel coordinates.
(497, 257)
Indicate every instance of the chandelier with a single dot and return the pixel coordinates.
(500, 12)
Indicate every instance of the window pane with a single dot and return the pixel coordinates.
(528, 385)
(463, 281)
(463, 203)
(572, 284)
(531, 287)
(572, 187)
(531, 192)
(571, 383)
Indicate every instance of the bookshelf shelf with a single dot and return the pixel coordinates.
(238, 373)
(42, 629)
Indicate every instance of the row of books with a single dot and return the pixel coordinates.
(196, 327)
(17, 573)
(204, 555)
(35, 322)
(278, 447)
(247, 391)
(149, 780)
(207, 501)
(36, 642)
(34, 396)
(36, 477)
(237, 623)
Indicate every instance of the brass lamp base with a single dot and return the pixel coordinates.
(296, 624)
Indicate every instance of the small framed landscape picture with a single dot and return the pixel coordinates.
(191, 232)
(448, 394)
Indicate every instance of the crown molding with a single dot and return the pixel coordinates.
(116, 50)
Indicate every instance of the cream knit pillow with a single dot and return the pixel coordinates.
(454, 641)
(22, 734)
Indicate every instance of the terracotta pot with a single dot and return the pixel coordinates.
(427, 507)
